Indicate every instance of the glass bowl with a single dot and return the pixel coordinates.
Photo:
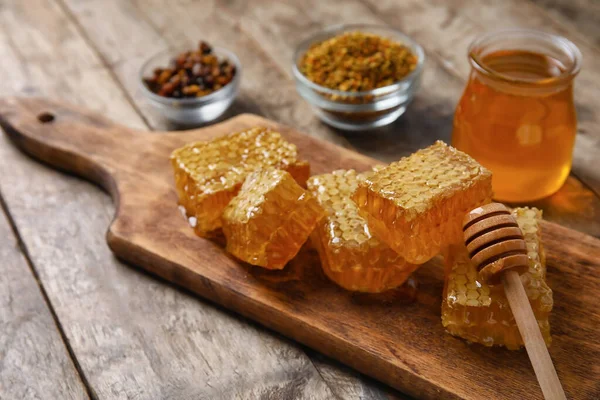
(191, 111)
(357, 111)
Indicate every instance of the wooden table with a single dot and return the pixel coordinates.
(74, 322)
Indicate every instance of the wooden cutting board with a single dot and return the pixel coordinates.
(399, 342)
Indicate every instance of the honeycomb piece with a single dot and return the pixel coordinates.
(416, 205)
(481, 313)
(209, 174)
(350, 255)
(270, 219)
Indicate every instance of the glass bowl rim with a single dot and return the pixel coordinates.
(557, 40)
(340, 28)
(216, 95)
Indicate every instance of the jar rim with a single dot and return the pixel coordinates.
(560, 43)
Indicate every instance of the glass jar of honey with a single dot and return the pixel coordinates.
(516, 115)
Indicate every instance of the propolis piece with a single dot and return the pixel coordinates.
(350, 255)
(270, 219)
(416, 205)
(209, 174)
(480, 313)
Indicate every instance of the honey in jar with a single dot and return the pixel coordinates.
(516, 116)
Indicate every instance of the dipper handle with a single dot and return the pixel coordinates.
(497, 248)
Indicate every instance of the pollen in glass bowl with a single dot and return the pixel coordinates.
(191, 86)
(358, 77)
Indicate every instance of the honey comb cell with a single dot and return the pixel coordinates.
(270, 219)
(350, 255)
(416, 205)
(209, 174)
(480, 313)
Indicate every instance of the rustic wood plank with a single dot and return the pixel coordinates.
(280, 26)
(402, 344)
(51, 58)
(347, 383)
(34, 362)
(103, 104)
(582, 16)
(134, 336)
(153, 27)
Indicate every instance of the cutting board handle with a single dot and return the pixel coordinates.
(68, 138)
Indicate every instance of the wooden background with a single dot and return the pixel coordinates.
(74, 322)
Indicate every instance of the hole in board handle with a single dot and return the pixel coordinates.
(45, 117)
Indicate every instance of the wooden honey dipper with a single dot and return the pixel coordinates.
(498, 250)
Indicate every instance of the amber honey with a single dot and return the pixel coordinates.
(516, 116)
(270, 219)
(209, 174)
(480, 313)
(416, 205)
(350, 255)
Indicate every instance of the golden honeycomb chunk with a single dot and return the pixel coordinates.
(270, 219)
(209, 174)
(416, 205)
(350, 255)
(481, 313)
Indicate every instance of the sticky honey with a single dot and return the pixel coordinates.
(350, 255)
(209, 174)
(480, 313)
(270, 219)
(517, 117)
(416, 205)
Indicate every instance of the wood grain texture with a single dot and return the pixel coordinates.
(151, 27)
(75, 50)
(401, 344)
(34, 362)
(134, 337)
(43, 53)
(280, 26)
(582, 15)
